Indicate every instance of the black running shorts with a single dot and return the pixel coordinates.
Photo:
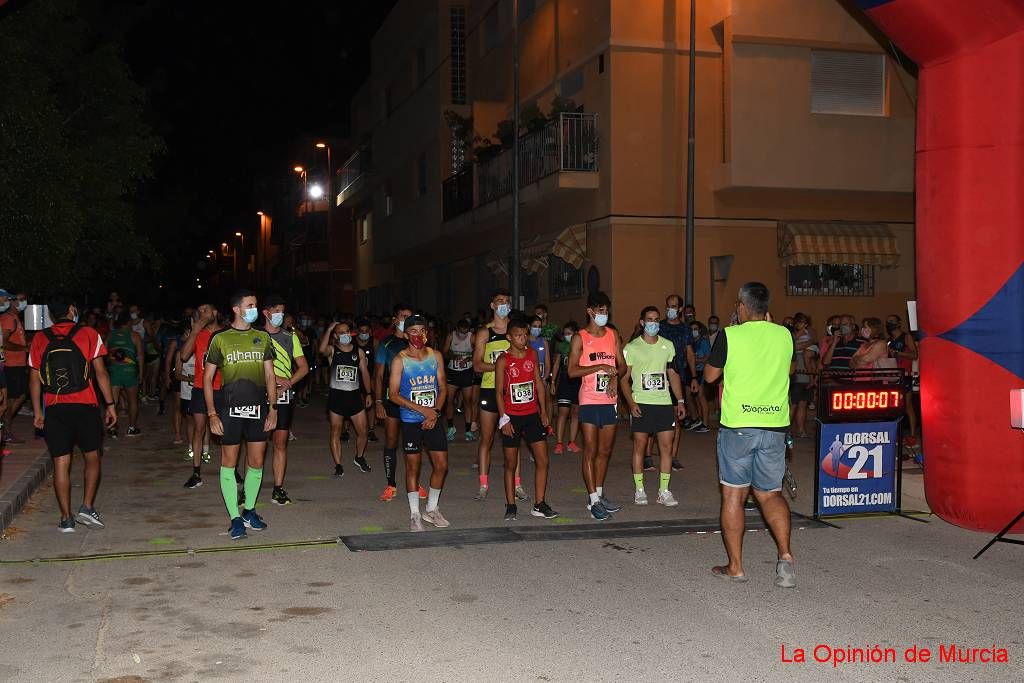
(73, 424)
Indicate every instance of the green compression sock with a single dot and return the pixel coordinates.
(638, 481)
(229, 489)
(663, 485)
(253, 479)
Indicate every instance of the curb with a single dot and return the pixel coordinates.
(14, 499)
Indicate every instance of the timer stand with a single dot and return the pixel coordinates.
(860, 472)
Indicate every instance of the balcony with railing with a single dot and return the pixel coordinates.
(567, 146)
(352, 175)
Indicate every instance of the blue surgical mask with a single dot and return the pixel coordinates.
(651, 329)
(22, 304)
(695, 334)
(503, 310)
(534, 331)
(600, 319)
(4, 307)
(250, 315)
(671, 313)
(400, 326)
(568, 337)
(134, 316)
(74, 318)
(344, 339)
(364, 336)
(276, 319)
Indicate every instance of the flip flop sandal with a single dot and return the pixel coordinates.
(723, 573)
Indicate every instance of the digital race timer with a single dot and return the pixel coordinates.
(863, 402)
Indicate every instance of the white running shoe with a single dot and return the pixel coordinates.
(482, 494)
(640, 497)
(436, 518)
(521, 493)
(415, 523)
(667, 499)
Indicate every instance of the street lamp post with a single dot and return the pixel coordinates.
(330, 265)
(514, 265)
(241, 238)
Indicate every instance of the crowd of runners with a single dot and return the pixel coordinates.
(232, 378)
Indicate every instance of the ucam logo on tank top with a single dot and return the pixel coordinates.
(419, 384)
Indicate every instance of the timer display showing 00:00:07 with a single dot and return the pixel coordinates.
(866, 400)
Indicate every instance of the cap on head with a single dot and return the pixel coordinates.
(414, 320)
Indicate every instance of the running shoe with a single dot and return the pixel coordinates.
(687, 423)
(237, 529)
(11, 438)
(648, 464)
(178, 442)
(451, 434)
(112, 432)
(280, 496)
(372, 436)
(415, 523)
(598, 512)
(89, 517)
(610, 506)
(544, 510)
(482, 493)
(470, 436)
(194, 482)
(253, 521)
(339, 471)
(389, 494)
(640, 497)
(750, 503)
(676, 465)
(361, 464)
(667, 499)
(188, 455)
(436, 518)
(521, 493)
(344, 436)
(133, 431)
(423, 493)
(701, 428)
(510, 513)
(67, 526)
(206, 455)
(291, 436)
(559, 449)
(573, 448)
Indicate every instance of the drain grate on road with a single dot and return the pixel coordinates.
(569, 532)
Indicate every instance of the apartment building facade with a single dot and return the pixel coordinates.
(804, 156)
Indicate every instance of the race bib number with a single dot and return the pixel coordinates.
(424, 397)
(653, 381)
(245, 412)
(521, 392)
(345, 373)
(494, 356)
(285, 398)
(602, 381)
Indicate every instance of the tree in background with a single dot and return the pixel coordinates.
(73, 147)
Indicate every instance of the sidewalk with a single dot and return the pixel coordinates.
(21, 473)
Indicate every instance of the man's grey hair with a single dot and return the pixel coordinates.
(754, 295)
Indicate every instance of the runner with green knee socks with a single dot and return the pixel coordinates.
(245, 358)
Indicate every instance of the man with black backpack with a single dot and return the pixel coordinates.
(64, 359)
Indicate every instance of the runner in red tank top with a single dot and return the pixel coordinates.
(522, 405)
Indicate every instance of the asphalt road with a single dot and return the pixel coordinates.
(629, 608)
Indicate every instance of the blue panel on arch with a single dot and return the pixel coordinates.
(996, 330)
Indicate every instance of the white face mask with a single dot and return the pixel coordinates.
(134, 316)
(503, 310)
(651, 329)
(600, 319)
(568, 337)
(344, 339)
(4, 306)
(22, 304)
(400, 326)
(364, 336)
(276, 319)
(671, 313)
(534, 331)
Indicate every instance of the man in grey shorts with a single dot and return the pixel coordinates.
(756, 360)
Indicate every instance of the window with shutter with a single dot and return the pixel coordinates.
(847, 83)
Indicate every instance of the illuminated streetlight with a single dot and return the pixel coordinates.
(238, 234)
(298, 169)
(259, 213)
(224, 244)
(321, 145)
(316, 192)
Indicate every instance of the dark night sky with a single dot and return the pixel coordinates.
(238, 91)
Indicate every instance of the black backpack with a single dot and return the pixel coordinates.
(64, 369)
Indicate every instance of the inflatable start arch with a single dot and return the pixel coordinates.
(970, 247)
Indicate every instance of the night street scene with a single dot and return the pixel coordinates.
(512, 340)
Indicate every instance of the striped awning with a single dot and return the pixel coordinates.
(868, 244)
(534, 256)
(571, 245)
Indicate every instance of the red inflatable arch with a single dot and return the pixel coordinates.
(970, 247)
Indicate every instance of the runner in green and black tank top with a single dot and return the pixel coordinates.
(490, 342)
(123, 357)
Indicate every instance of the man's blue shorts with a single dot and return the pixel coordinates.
(751, 457)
